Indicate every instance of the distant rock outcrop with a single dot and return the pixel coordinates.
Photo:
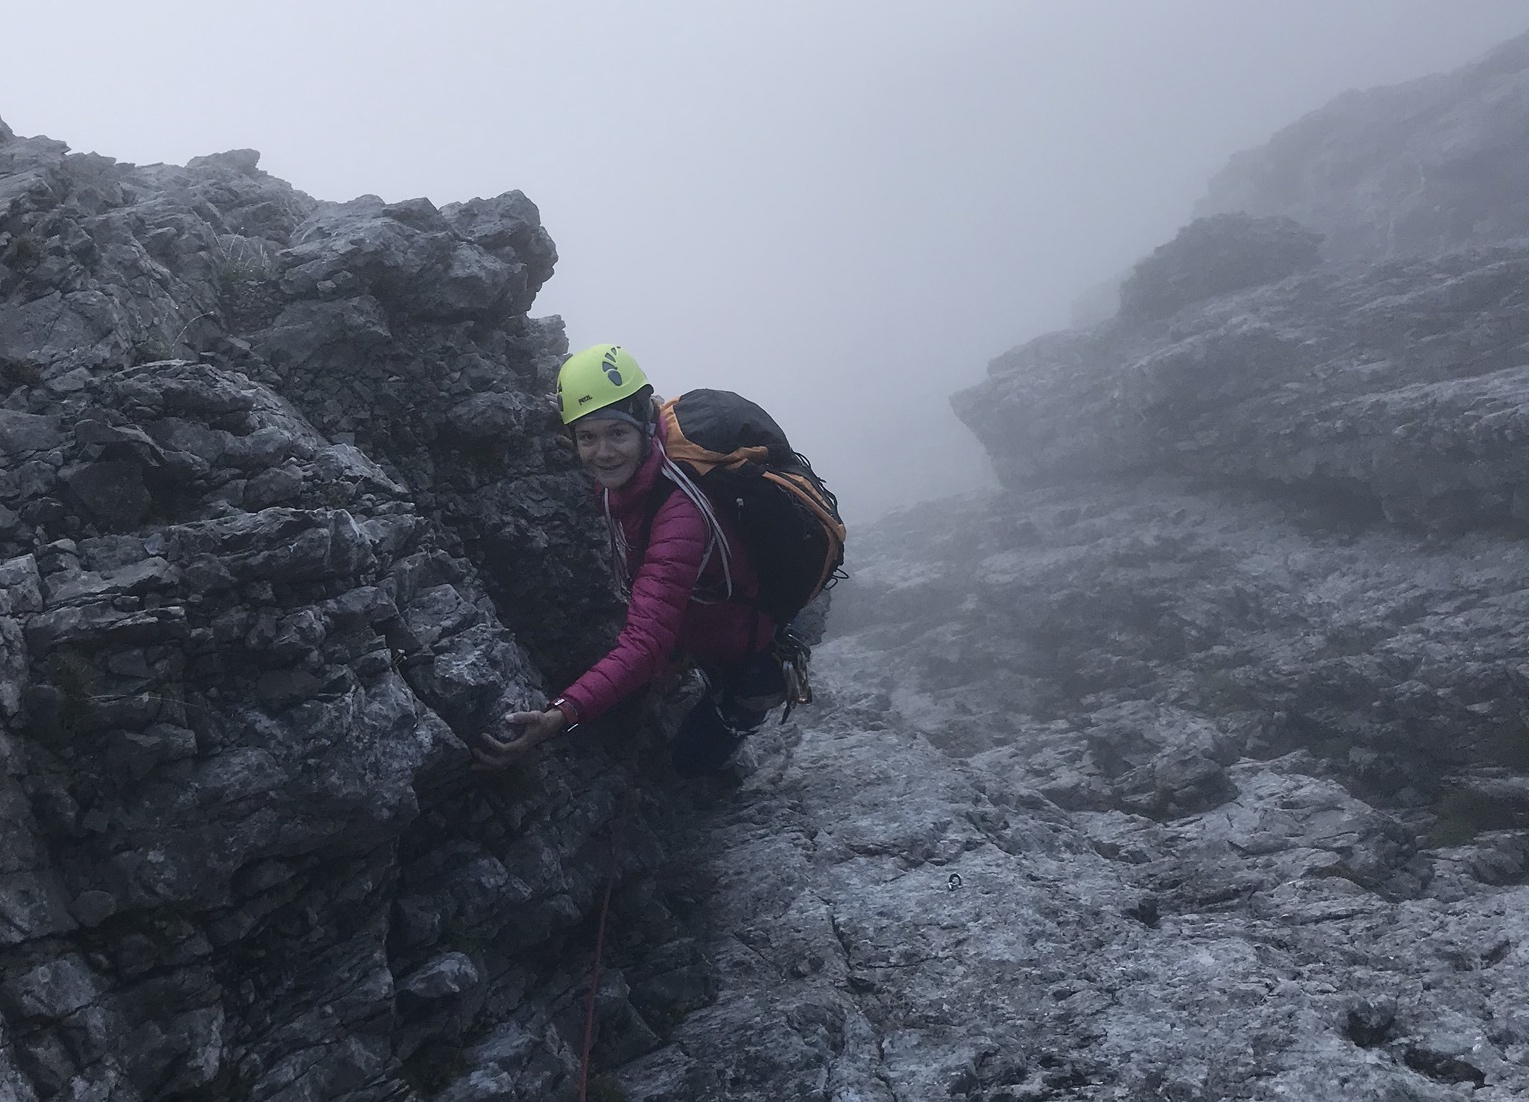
(1410, 170)
(1395, 381)
(1215, 256)
(1400, 388)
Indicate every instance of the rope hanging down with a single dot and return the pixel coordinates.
(625, 805)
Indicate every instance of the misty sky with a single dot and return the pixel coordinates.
(841, 208)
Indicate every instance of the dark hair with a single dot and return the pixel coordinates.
(638, 406)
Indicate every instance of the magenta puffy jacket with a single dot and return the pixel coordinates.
(663, 618)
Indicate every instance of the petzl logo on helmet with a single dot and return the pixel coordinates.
(608, 364)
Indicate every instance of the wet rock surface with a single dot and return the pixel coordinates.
(1129, 795)
(278, 482)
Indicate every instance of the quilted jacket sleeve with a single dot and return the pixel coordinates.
(661, 591)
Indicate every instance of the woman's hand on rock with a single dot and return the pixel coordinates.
(531, 729)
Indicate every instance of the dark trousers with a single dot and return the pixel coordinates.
(735, 704)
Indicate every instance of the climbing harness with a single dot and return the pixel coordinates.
(793, 654)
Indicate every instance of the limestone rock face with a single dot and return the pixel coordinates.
(278, 484)
(398, 329)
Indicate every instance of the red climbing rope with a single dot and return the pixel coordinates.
(617, 823)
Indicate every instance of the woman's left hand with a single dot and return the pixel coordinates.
(534, 729)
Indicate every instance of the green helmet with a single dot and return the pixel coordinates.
(595, 378)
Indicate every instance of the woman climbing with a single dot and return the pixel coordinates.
(692, 590)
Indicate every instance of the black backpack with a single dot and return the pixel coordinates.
(787, 518)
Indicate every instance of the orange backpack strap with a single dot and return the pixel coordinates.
(807, 493)
(682, 449)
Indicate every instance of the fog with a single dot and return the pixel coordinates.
(841, 209)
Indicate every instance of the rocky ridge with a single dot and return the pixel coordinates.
(1413, 169)
(278, 483)
(1396, 387)
(1244, 628)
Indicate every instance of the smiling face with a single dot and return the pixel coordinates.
(610, 450)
